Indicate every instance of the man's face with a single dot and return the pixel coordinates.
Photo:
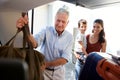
(61, 21)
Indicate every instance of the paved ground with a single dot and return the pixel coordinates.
(70, 71)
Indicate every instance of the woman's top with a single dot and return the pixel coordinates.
(92, 47)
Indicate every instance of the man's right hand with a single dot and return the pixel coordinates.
(22, 21)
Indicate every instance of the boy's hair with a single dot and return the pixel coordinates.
(81, 21)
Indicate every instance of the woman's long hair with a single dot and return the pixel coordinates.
(102, 33)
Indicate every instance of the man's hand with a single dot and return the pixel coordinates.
(22, 21)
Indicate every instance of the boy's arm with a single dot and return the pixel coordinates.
(83, 48)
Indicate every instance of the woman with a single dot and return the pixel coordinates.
(96, 41)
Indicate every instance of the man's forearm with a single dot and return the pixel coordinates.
(33, 41)
(57, 62)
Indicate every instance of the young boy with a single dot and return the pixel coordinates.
(80, 47)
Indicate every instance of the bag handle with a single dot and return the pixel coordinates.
(26, 34)
(12, 39)
(108, 70)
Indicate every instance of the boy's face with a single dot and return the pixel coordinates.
(82, 27)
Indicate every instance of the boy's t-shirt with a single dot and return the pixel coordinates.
(80, 37)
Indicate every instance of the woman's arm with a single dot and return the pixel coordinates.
(103, 49)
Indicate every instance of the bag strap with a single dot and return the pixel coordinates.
(12, 39)
(26, 34)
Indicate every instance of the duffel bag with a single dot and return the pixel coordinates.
(32, 57)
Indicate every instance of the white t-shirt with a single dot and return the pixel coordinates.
(80, 37)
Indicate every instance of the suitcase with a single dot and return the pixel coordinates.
(108, 69)
(97, 67)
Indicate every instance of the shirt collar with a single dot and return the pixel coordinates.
(57, 33)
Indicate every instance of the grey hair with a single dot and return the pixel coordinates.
(63, 9)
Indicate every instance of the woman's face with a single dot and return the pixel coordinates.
(97, 28)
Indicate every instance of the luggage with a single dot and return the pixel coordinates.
(108, 69)
(97, 67)
(88, 71)
(82, 57)
(13, 69)
(33, 58)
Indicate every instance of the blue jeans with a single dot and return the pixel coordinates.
(89, 72)
(78, 67)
